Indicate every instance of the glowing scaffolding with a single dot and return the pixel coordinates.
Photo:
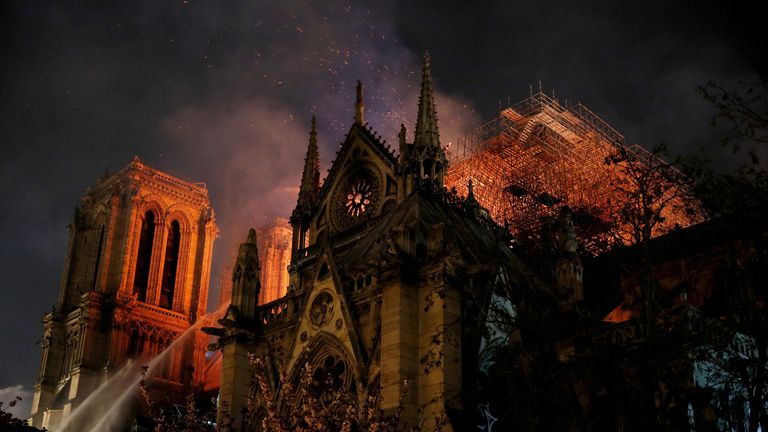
(537, 156)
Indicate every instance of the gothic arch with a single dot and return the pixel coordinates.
(99, 216)
(98, 243)
(427, 169)
(327, 358)
(175, 213)
(153, 205)
(173, 265)
(145, 250)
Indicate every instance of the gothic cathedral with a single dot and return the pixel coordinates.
(136, 276)
(387, 271)
(404, 300)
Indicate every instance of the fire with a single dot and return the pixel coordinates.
(539, 155)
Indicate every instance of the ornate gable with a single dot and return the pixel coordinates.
(361, 183)
(326, 315)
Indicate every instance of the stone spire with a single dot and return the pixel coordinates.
(308, 193)
(424, 161)
(245, 279)
(426, 121)
(310, 178)
(359, 105)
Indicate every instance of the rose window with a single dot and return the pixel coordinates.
(356, 198)
(359, 197)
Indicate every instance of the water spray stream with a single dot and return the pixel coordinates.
(105, 409)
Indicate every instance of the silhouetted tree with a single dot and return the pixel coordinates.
(734, 354)
(647, 191)
(8, 422)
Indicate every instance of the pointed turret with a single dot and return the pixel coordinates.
(359, 105)
(310, 178)
(308, 193)
(237, 334)
(426, 121)
(245, 279)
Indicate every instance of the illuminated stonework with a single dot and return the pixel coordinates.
(352, 318)
(274, 258)
(538, 156)
(136, 276)
(274, 243)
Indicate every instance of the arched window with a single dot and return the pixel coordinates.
(328, 376)
(98, 259)
(144, 257)
(428, 173)
(135, 344)
(168, 285)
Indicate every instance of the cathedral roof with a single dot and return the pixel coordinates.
(476, 241)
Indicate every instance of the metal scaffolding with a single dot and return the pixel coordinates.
(537, 156)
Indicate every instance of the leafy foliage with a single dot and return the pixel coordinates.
(189, 420)
(649, 191)
(313, 406)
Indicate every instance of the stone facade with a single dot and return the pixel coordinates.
(136, 276)
(382, 255)
(395, 280)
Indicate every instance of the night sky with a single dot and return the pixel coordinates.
(223, 93)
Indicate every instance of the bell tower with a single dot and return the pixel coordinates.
(136, 276)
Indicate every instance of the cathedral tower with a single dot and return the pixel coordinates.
(136, 276)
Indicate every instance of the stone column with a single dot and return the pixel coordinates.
(236, 375)
(399, 344)
(439, 383)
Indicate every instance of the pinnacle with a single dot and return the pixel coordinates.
(310, 177)
(426, 121)
(470, 200)
(251, 236)
(359, 104)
